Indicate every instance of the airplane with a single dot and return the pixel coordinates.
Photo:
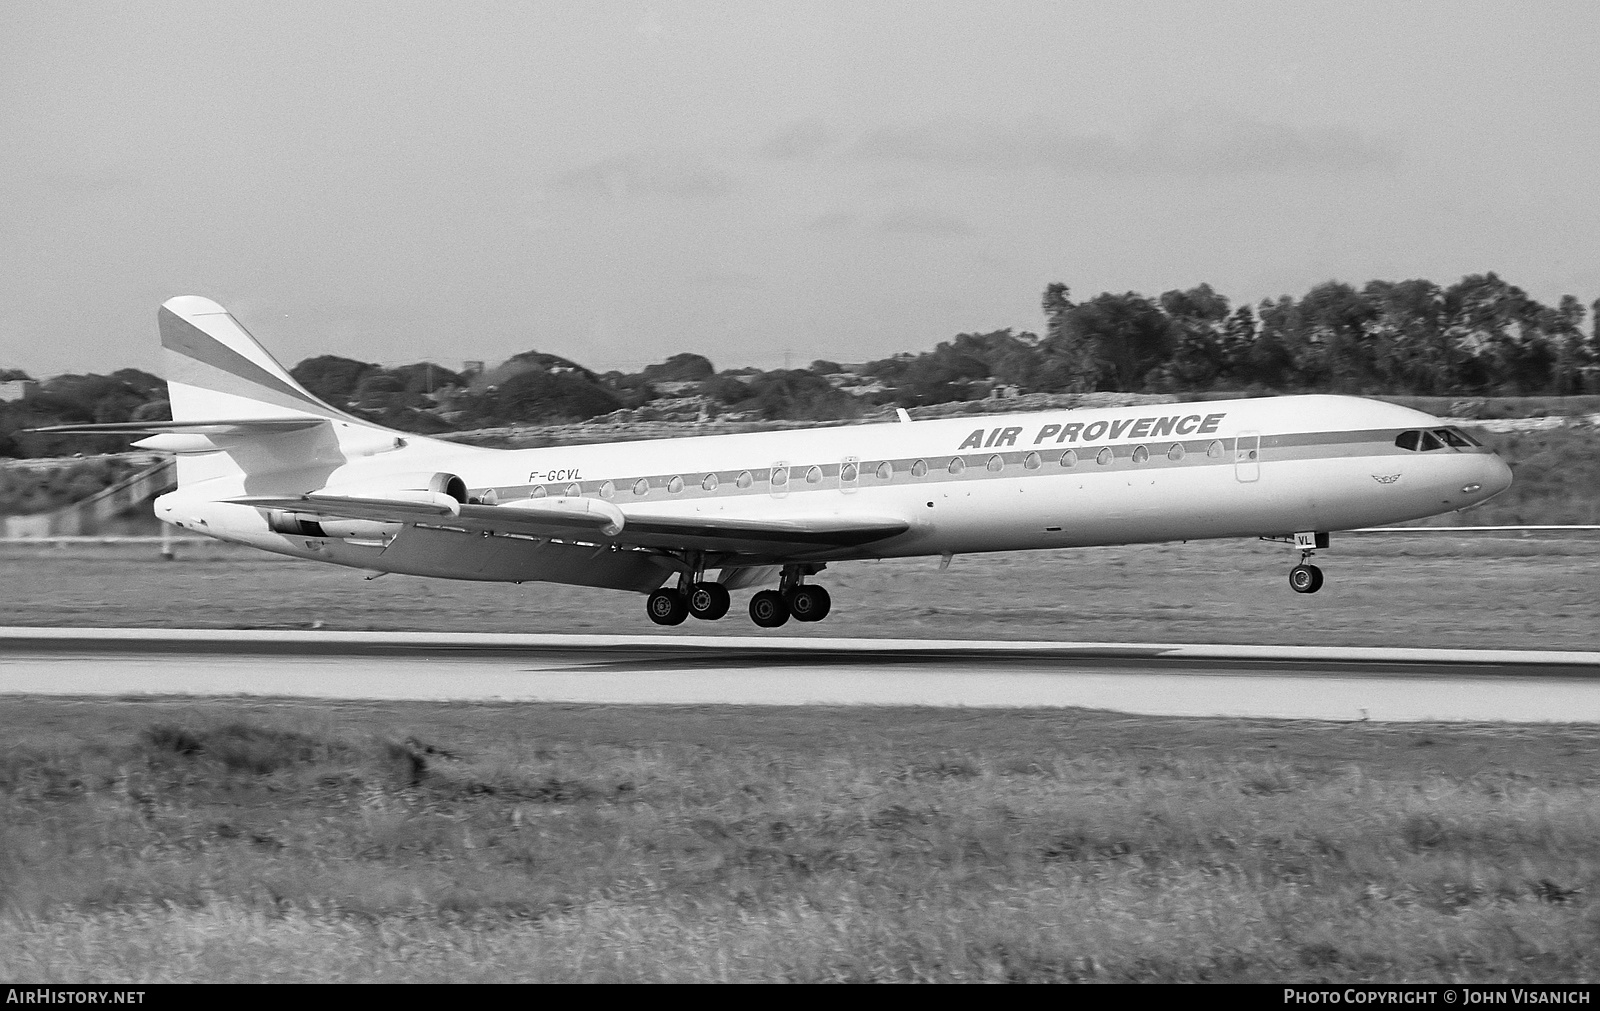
(263, 462)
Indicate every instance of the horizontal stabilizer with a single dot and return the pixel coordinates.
(248, 426)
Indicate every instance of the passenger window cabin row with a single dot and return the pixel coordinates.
(850, 473)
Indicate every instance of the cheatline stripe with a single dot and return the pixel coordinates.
(1377, 444)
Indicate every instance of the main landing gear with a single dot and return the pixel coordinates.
(794, 598)
(771, 608)
(708, 601)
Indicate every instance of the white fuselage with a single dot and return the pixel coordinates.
(1243, 468)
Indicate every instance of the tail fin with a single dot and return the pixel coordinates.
(229, 394)
(240, 423)
(217, 372)
(221, 382)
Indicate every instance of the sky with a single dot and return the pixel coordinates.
(762, 182)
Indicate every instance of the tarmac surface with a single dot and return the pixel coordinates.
(1322, 683)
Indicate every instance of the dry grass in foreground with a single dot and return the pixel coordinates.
(297, 841)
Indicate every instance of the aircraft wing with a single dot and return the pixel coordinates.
(558, 517)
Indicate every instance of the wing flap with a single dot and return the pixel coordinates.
(722, 532)
(568, 511)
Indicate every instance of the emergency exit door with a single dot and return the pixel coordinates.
(1247, 456)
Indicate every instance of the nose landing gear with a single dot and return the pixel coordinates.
(1305, 578)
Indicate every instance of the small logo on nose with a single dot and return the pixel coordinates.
(1386, 478)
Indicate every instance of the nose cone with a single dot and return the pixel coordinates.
(1496, 476)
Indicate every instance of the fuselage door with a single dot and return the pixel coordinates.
(779, 482)
(1247, 456)
(849, 474)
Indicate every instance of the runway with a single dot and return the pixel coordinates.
(1323, 683)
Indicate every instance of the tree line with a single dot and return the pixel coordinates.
(1480, 336)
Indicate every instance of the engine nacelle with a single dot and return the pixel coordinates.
(282, 521)
(434, 489)
(438, 483)
(448, 484)
(409, 487)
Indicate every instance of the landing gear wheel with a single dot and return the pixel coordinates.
(1305, 579)
(708, 601)
(810, 603)
(667, 607)
(768, 609)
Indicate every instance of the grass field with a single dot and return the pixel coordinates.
(1414, 590)
(241, 840)
(230, 841)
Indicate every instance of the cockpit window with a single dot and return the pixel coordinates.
(1438, 438)
(1456, 438)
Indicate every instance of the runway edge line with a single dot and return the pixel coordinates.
(15, 638)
